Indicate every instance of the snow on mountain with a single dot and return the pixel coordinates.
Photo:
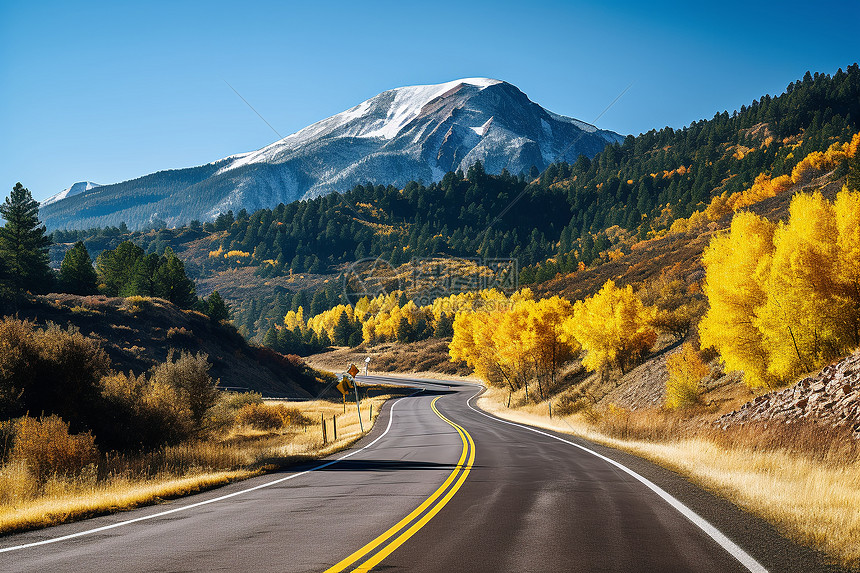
(75, 189)
(408, 133)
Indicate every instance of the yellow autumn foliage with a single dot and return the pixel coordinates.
(737, 265)
(327, 320)
(784, 299)
(514, 343)
(296, 319)
(613, 327)
(686, 370)
(384, 326)
(235, 254)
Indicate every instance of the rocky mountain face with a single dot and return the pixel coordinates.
(831, 397)
(404, 134)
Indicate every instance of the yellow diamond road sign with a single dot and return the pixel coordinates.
(353, 370)
(343, 385)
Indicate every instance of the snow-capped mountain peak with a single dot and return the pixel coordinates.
(409, 133)
(75, 189)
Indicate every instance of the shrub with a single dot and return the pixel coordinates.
(269, 416)
(136, 303)
(235, 400)
(189, 376)
(142, 413)
(48, 448)
(50, 370)
(17, 484)
(645, 424)
(686, 370)
(181, 332)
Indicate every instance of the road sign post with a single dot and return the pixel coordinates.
(352, 372)
(358, 407)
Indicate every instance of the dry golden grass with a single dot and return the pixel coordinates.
(123, 482)
(809, 489)
(62, 500)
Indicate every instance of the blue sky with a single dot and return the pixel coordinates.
(109, 92)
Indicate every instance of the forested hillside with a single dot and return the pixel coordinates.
(570, 217)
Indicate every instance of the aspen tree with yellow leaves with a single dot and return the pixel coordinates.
(545, 340)
(785, 300)
(512, 342)
(737, 267)
(801, 321)
(613, 327)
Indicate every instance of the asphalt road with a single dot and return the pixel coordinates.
(436, 486)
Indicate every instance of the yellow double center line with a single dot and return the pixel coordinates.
(420, 515)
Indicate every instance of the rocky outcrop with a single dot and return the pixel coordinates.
(831, 397)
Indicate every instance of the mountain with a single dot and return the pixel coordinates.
(404, 134)
(75, 189)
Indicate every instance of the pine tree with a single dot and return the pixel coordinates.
(216, 308)
(5, 293)
(404, 330)
(319, 303)
(23, 244)
(171, 282)
(270, 340)
(342, 330)
(77, 274)
(143, 280)
(251, 317)
(116, 268)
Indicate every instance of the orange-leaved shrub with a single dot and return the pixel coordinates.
(48, 448)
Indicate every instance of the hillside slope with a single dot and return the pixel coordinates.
(139, 333)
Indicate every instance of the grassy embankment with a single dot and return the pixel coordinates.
(123, 482)
(804, 481)
(426, 357)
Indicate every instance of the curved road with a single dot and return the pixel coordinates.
(436, 486)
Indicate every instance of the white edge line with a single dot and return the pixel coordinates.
(205, 502)
(730, 546)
